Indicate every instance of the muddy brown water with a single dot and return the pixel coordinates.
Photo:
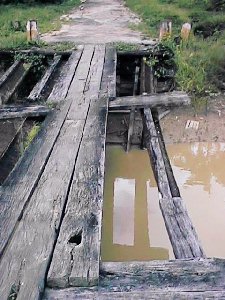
(133, 226)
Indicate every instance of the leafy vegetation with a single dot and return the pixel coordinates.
(31, 135)
(200, 61)
(47, 15)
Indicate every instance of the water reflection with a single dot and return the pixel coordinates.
(200, 172)
(133, 227)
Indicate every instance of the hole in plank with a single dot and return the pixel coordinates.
(76, 239)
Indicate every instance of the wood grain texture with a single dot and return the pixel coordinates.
(78, 264)
(62, 85)
(8, 73)
(178, 279)
(36, 232)
(164, 99)
(12, 112)
(12, 81)
(41, 85)
(18, 188)
(181, 232)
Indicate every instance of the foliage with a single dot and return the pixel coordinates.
(120, 46)
(36, 60)
(47, 15)
(31, 135)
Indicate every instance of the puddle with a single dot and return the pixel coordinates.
(200, 172)
(133, 226)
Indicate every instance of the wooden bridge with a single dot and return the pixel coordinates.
(51, 203)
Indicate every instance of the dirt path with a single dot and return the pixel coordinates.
(98, 21)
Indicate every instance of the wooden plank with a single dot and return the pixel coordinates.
(12, 112)
(112, 79)
(72, 294)
(78, 263)
(12, 82)
(184, 279)
(12, 69)
(62, 85)
(181, 232)
(18, 188)
(165, 99)
(130, 129)
(13, 129)
(39, 88)
(36, 232)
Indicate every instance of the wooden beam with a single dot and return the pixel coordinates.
(78, 264)
(165, 99)
(19, 186)
(180, 229)
(112, 78)
(72, 294)
(12, 80)
(12, 112)
(36, 233)
(153, 280)
(62, 85)
(41, 85)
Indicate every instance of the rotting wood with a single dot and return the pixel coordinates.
(78, 265)
(14, 79)
(165, 99)
(9, 72)
(181, 232)
(61, 87)
(19, 186)
(112, 79)
(10, 137)
(12, 112)
(72, 294)
(39, 88)
(171, 179)
(36, 233)
(154, 280)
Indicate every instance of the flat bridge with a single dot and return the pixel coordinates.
(51, 203)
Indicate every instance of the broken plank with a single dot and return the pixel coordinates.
(18, 188)
(8, 73)
(164, 99)
(12, 112)
(37, 230)
(77, 264)
(62, 85)
(39, 88)
(181, 232)
(13, 81)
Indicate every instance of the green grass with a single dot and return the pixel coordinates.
(46, 15)
(201, 63)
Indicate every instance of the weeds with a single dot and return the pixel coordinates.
(31, 135)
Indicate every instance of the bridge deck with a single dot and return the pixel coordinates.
(51, 203)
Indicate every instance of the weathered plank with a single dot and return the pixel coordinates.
(71, 294)
(12, 81)
(164, 99)
(62, 85)
(12, 129)
(181, 232)
(112, 78)
(12, 112)
(12, 69)
(18, 188)
(41, 85)
(124, 280)
(78, 263)
(36, 232)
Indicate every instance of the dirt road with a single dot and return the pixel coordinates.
(97, 21)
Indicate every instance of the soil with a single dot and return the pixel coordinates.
(211, 127)
(98, 21)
